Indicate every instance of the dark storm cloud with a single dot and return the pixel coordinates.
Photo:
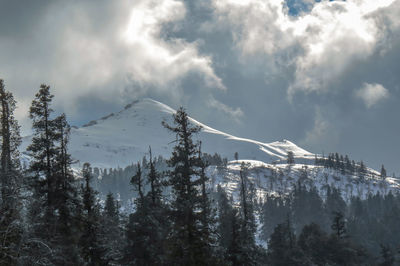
(264, 70)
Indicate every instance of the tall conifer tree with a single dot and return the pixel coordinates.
(10, 181)
(185, 239)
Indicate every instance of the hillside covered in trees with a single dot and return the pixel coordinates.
(190, 208)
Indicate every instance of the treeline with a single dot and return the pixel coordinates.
(118, 180)
(49, 217)
(369, 224)
(347, 166)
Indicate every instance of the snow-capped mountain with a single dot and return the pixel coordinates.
(122, 138)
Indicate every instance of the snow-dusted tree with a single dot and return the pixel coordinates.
(55, 198)
(10, 181)
(111, 229)
(186, 239)
(91, 244)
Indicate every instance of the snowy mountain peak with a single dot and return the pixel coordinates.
(121, 138)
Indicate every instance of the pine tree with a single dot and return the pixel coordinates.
(235, 254)
(248, 226)
(145, 231)
(43, 153)
(224, 227)
(339, 225)
(334, 201)
(290, 158)
(91, 242)
(10, 181)
(137, 183)
(111, 229)
(207, 213)
(154, 179)
(55, 197)
(185, 240)
(362, 170)
(282, 246)
(383, 172)
(66, 199)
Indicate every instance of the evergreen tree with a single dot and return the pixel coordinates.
(250, 252)
(225, 220)
(275, 210)
(145, 230)
(91, 242)
(307, 207)
(207, 213)
(383, 172)
(112, 230)
(43, 153)
(282, 247)
(313, 243)
(154, 179)
(66, 201)
(186, 239)
(334, 201)
(11, 229)
(54, 205)
(290, 157)
(362, 170)
(137, 183)
(339, 225)
(235, 254)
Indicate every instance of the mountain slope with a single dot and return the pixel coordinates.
(121, 138)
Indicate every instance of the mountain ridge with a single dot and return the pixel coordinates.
(121, 138)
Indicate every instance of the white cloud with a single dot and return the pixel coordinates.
(236, 114)
(83, 48)
(371, 94)
(154, 60)
(331, 36)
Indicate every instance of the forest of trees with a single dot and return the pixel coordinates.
(48, 216)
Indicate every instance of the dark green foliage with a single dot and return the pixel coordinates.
(383, 172)
(334, 201)
(120, 179)
(187, 243)
(55, 197)
(282, 247)
(226, 218)
(312, 241)
(147, 227)
(275, 211)
(67, 226)
(91, 242)
(290, 157)
(112, 233)
(339, 225)
(307, 207)
(318, 248)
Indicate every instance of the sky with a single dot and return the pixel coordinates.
(323, 74)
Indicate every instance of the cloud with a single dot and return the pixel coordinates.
(158, 61)
(111, 50)
(236, 114)
(320, 44)
(320, 130)
(371, 94)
